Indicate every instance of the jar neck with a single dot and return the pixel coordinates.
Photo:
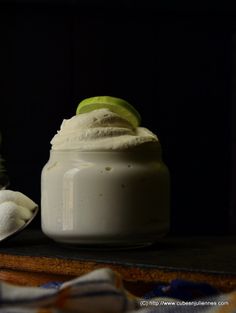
(134, 154)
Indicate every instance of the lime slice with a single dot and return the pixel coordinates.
(116, 105)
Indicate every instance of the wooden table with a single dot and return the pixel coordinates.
(33, 259)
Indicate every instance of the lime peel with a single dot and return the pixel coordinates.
(115, 105)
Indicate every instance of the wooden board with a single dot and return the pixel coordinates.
(209, 259)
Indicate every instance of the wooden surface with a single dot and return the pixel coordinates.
(33, 259)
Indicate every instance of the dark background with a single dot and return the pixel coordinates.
(174, 64)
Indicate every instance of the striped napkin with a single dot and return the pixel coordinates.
(102, 291)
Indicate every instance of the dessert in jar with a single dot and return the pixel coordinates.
(105, 182)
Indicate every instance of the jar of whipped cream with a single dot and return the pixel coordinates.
(105, 183)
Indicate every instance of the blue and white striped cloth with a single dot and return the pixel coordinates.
(102, 291)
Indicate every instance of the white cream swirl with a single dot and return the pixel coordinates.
(100, 130)
(15, 210)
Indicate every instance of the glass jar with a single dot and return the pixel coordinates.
(113, 198)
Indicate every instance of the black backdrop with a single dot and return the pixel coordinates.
(173, 65)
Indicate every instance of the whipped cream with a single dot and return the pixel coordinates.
(100, 130)
(15, 210)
